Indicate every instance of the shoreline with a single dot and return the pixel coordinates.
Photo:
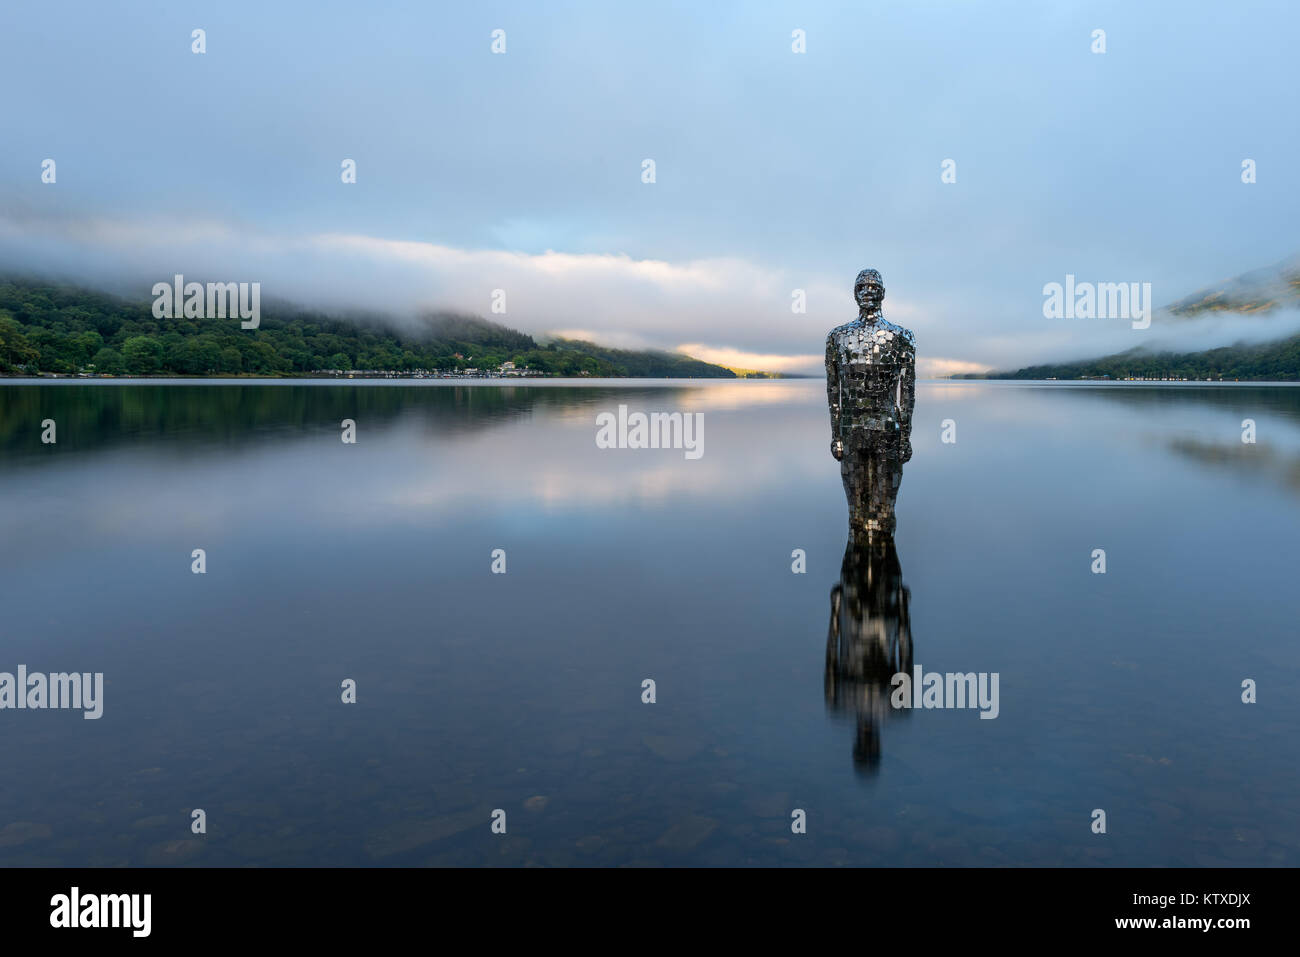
(528, 381)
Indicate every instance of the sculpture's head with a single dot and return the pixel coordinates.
(869, 290)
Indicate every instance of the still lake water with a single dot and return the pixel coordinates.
(522, 691)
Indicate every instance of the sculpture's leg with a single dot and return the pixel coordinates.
(872, 473)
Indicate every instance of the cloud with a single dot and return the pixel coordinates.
(725, 306)
(937, 368)
(740, 359)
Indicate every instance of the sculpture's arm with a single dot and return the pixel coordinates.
(833, 394)
(909, 393)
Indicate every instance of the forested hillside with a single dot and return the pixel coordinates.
(51, 328)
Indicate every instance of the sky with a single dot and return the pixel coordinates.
(775, 171)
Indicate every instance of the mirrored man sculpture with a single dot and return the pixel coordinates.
(871, 388)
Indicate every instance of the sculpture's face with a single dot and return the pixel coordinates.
(869, 290)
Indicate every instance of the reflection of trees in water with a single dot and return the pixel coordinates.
(1250, 400)
(1279, 404)
(1257, 461)
(188, 418)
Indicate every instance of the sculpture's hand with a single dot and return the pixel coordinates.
(837, 449)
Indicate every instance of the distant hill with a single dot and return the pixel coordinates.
(49, 327)
(1273, 362)
(1253, 293)
(452, 327)
(757, 374)
(644, 364)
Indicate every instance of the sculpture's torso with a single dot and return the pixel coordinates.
(873, 380)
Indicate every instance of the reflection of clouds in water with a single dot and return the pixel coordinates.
(521, 464)
(562, 468)
(541, 456)
(727, 394)
(557, 488)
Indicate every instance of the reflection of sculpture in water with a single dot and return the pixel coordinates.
(871, 388)
(868, 642)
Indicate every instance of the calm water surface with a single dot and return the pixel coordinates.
(522, 691)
